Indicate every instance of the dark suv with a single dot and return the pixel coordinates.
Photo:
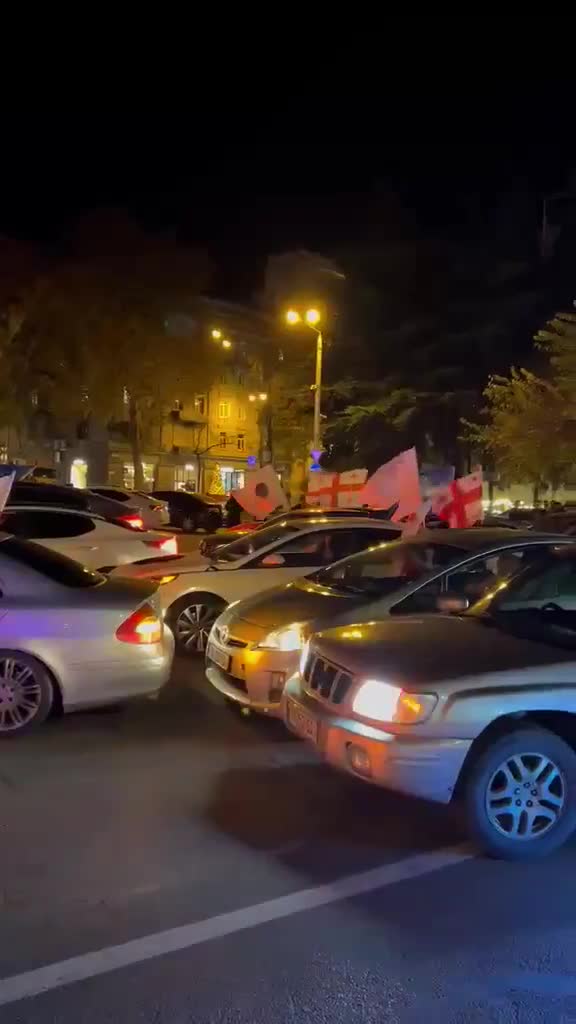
(192, 512)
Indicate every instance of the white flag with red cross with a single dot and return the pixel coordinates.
(395, 483)
(262, 493)
(460, 504)
(336, 490)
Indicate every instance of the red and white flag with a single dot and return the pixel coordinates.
(460, 504)
(261, 493)
(396, 482)
(415, 521)
(336, 490)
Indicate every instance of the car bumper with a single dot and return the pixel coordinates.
(255, 679)
(142, 672)
(426, 767)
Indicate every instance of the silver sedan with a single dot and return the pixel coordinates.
(71, 639)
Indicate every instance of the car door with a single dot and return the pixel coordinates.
(470, 581)
(305, 553)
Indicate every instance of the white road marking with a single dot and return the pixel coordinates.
(112, 958)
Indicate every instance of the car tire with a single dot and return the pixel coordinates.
(191, 618)
(26, 694)
(521, 795)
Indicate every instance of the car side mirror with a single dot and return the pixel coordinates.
(452, 604)
(271, 560)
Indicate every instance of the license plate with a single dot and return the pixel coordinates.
(303, 724)
(219, 657)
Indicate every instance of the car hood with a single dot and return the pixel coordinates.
(300, 601)
(416, 651)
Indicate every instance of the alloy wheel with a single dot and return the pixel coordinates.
(525, 796)
(20, 694)
(193, 625)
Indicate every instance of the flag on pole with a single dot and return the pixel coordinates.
(336, 490)
(460, 504)
(5, 488)
(396, 482)
(262, 493)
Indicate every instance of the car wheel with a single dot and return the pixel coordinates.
(26, 694)
(191, 619)
(188, 524)
(520, 795)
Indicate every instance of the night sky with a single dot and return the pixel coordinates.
(464, 161)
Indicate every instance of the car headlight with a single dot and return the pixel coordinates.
(384, 702)
(304, 657)
(288, 639)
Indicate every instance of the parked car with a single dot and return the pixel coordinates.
(89, 539)
(191, 512)
(82, 500)
(479, 706)
(71, 638)
(402, 577)
(195, 591)
(154, 513)
(210, 545)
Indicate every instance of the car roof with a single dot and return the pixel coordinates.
(339, 523)
(478, 538)
(27, 506)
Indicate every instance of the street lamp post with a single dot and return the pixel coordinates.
(311, 319)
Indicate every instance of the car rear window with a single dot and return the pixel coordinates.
(110, 492)
(49, 563)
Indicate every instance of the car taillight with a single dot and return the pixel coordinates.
(167, 545)
(133, 520)
(143, 627)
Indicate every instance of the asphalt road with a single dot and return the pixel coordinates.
(176, 863)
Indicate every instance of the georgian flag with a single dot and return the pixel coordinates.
(460, 504)
(395, 483)
(336, 490)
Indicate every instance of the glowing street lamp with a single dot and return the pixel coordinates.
(216, 334)
(312, 317)
(226, 343)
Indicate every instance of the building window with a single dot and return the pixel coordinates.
(200, 404)
(79, 473)
(128, 474)
(232, 479)
(241, 379)
(224, 410)
(177, 405)
(185, 477)
(222, 439)
(34, 398)
(241, 442)
(3, 453)
(241, 413)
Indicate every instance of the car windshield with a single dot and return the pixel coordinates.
(538, 603)
(255, 541)
(383, 569)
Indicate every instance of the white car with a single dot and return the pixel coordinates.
(87, 538)
(71, 638)
(154, 512)
(195, 590)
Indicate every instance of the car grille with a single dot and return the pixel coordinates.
(323, 679)
(230, 641)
